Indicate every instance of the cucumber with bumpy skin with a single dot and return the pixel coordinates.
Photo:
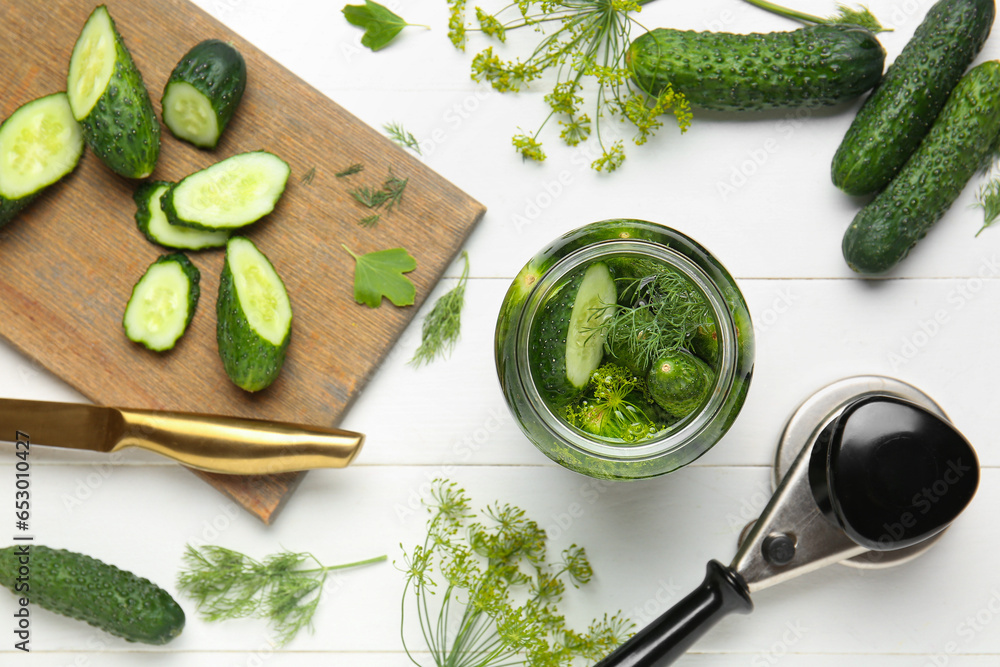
(110, 101)
(567, 343)
(163, 302)
(153, 223)
(254, 317)
(680, 382)
(88, 590)
(898, 115)
(39, 144)
(230, 194)
(203, 92)
(961, 141)
(810, 67)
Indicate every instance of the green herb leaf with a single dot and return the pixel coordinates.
(859, 16)
(226, 584)
(350, 171)
(380, 273)
(442, 326)
(988, 198)
(308, 177)
(401, 137)
(381, 25)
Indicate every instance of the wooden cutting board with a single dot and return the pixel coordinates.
(68, 263)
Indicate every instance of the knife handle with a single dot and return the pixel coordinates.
(236, 446)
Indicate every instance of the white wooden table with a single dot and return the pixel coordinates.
(778, 230)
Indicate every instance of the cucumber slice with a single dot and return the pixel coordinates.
(230, 194)
(254, 317)
(203, 92)
(152, 222)
(110, 101)
(39, 144)
(567, 341)
(680, 382)
(162, 302)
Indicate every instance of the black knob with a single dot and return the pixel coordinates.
(892, 474)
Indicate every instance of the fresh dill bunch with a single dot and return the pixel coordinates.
(443, 324)
(399, 136)
(663, 311)
(587, 43)
(486, 594)
(351, 170)
(859, 16)
(614, 406)
(226, 584)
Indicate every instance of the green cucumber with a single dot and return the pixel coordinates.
(898, 115)
(162, 302)
(153, 223)
(567, 343)
(230, 194)
(680, 382)
(84, 588)
(961, 141)
(810, 67)
(39, 144)
(203, 92)
(254, 317)
(110, 101)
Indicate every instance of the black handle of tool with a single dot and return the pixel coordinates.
(670, 636)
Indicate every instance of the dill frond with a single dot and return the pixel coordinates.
(399, 136)
(351, 170)
(442, 326)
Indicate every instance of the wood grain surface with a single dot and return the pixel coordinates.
(68, 263)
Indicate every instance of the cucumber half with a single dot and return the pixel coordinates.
(254, 317)
(39, 144)
(110, 101)
(153, 223)
(162, 302)
(203, 92)
(567, 340)
(230, 194)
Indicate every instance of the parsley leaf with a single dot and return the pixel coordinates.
(381, 25)
(380, 273)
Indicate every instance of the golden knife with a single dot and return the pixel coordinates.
(229, 445)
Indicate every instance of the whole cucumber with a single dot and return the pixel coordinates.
(86, 589)
(959, 143)
(898, 115)
(810, 67)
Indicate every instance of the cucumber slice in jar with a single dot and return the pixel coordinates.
(153, 223)
(39, 144)
(110, 101)
(163, 302)
(568, 342)
(203, 92)
(230, 194)
(254, 317)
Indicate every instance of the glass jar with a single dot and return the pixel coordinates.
(530, 374)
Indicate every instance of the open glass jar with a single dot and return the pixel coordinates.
(624, 350)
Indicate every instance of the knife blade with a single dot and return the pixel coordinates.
(213, 443)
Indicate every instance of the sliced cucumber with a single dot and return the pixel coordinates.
(39, 144)
(109, 99)
(567, 341)
(152, 222)
(162, 302)
(230, 194)
(254, 317)
(680, 382)
(203, 92)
